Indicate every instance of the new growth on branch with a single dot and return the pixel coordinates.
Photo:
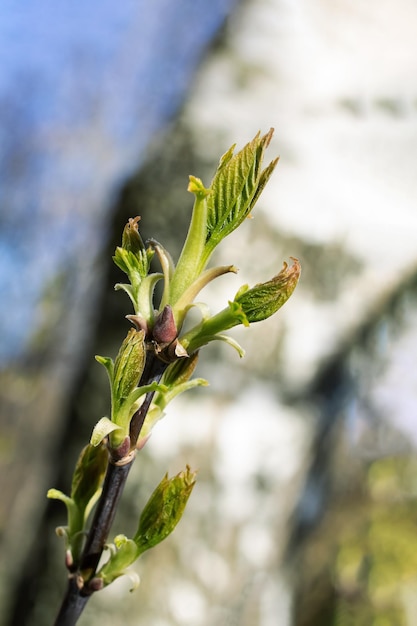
(155, 363)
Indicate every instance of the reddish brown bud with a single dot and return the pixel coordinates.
(165, 330)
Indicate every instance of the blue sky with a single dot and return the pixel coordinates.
(83, 88)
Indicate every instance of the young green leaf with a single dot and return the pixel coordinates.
(125, 552)
(88, 474)
(128, 366)
(86, 484)
(164, 509)
(235, 188)
(264, 299)
(249, 305)
(159, 518)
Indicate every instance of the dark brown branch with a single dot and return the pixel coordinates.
(104, 515)
(72, 605)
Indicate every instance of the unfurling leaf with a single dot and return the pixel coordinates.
(88, 474)
(128, 366)
(164, 509)
(131, 240)
(249, 305)
(86, 485)
(235, 188)
(103, 428)
(264, 299)
(132, 257)
(125, 552)
(159, 518)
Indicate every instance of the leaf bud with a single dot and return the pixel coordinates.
(165, 329)
(132, 257)
(129, 364)
(164, 509)
(264, 299)
(131, 239)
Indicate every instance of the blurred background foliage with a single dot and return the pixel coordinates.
(304, 510)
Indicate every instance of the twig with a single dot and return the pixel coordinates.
(81, 583)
